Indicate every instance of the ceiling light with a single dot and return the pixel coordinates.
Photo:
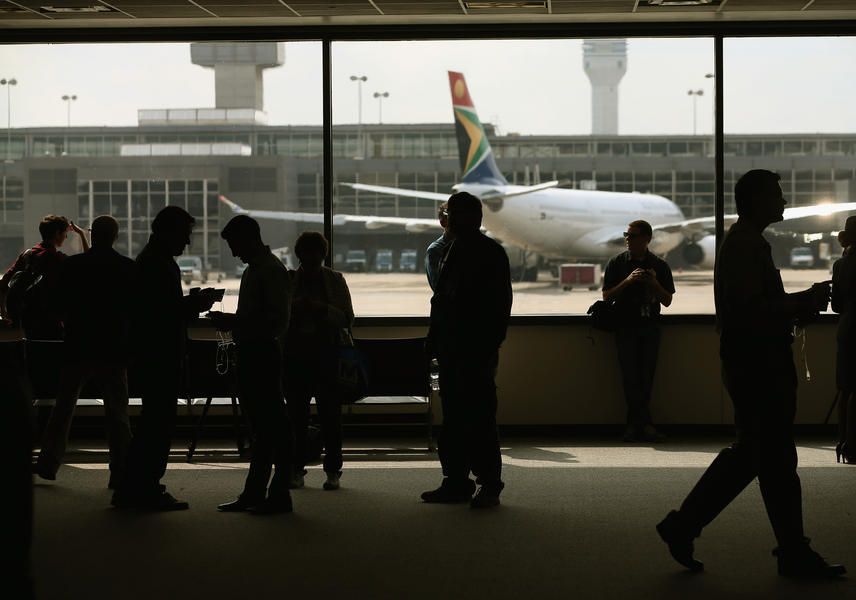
(682, 2)
(98, 8)
(494, 5)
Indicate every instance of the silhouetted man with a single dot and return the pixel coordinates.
(160, 335)
(469, 317)
(638, 282)
(437, 248)
(16, 447)
(755, 320)
(258, 329)
(97, 321)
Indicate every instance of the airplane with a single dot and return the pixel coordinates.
(557, 223)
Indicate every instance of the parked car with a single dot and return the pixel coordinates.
(407, 261)
(383, 261)
(802, 258)
(356, 261)
(190, 267)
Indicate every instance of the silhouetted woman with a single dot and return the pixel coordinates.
(844, 303)
(321, 312)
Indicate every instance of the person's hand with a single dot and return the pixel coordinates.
(73, 227)
(820, 293)
(637, 275)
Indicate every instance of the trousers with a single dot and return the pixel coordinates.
(260, 393)
(762, 383)
(112, 382)
(638, 348)
(469, 441)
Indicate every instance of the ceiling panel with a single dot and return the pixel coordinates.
(397, 7)
(762, 5)
(235, 9)
(564, 7)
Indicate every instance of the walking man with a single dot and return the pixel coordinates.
(755, 320)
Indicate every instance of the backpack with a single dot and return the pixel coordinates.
(24, 289)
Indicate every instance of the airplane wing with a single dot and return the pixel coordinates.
(486, 194)
(702, 225)
(379, 189)
(414, 225)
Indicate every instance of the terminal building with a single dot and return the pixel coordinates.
(189, 158)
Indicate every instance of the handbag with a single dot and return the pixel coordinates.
(351, 375)
(603, 315)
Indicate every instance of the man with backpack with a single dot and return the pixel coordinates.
(28, 289)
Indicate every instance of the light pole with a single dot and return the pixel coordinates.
(68, 100)
(695, 94)
(360, 79)
(380, 96)
(8, 83)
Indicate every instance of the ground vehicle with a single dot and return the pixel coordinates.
(383, 261)
(802, 258)
(580, 275)
(192, 269)
(407, 261)
(356, 261)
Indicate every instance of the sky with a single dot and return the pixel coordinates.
(791, 85)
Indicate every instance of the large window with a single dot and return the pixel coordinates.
(610, 120)
(788, 109)
(126, 129)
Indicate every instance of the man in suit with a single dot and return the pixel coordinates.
(97, 321)
(159, 337)
(469, 318)
(258, 329)
(755, 319)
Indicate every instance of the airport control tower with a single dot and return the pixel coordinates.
(605, 63)
(238, 70)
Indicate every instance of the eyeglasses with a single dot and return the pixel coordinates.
(629, 235)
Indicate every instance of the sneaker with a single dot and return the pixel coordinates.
(451, 492)
(680, 542)
(804, 563)
(332, 482)
(297, 481)
(487, 496)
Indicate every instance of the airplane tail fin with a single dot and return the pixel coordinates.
(476, 156)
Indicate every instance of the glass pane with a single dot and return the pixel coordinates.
(800, 132)
(615, 128)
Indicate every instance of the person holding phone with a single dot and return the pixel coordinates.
(638, 282)
(844, 303)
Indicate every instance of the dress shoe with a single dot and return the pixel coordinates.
(680, 542)
(451, 492)
(631, 434)
(650, 434)
(487, 496)
(43, 472)
(332, 482)
(802, 562)
(297, 480)
(272, 506)
(158, 502)
(239, 505)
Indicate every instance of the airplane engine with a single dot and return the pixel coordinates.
(701, 253)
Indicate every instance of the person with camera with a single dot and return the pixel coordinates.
(29, 287)
(322, 313)
(258, 330)
(96, 319)
(844, 303)
(755, 319)
(159, 331)
(637, 283)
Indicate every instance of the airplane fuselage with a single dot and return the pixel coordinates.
(561, 223)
